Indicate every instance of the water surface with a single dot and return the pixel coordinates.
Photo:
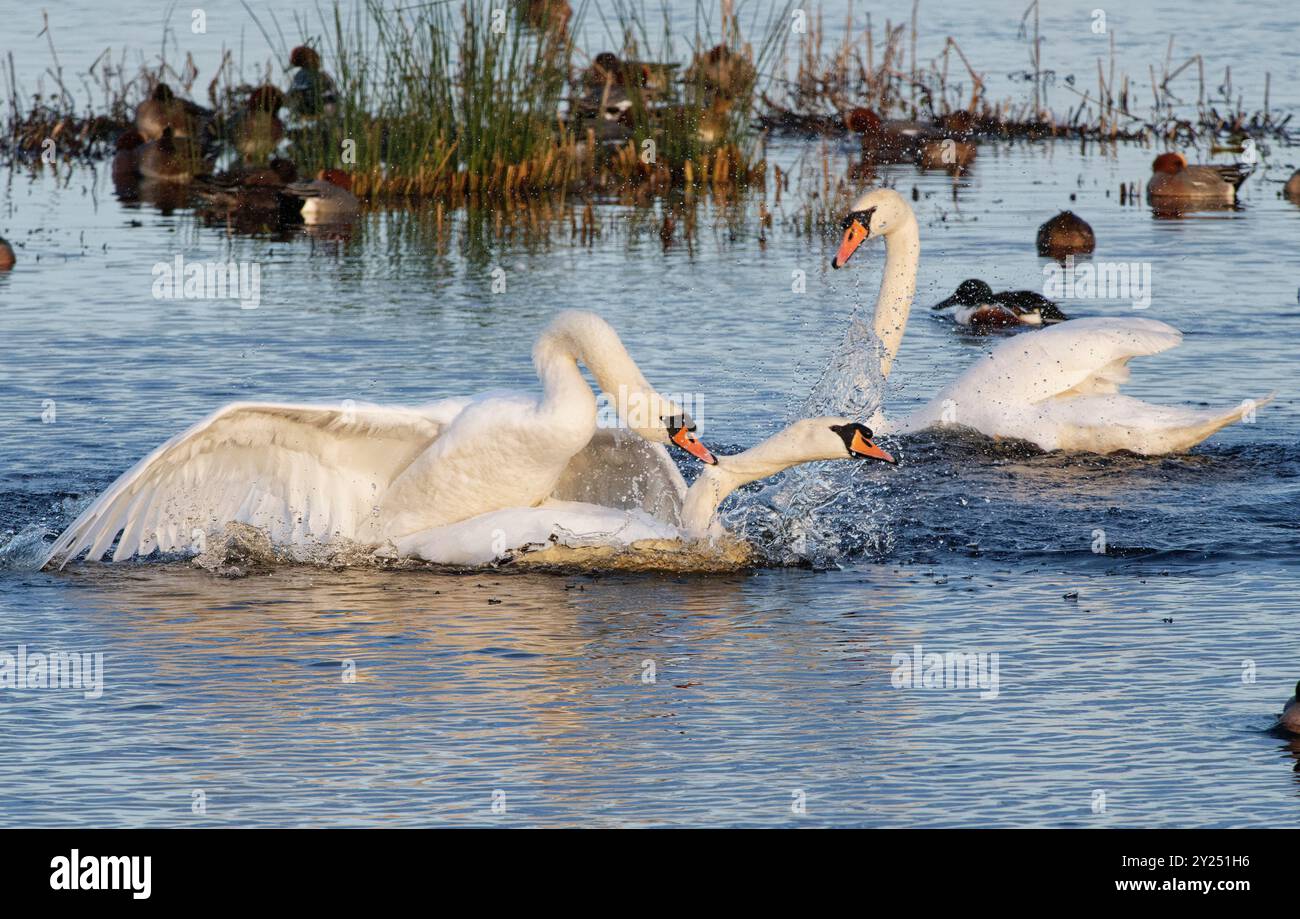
(765, 683)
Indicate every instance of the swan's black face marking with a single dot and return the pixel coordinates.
(856, 227)
(684, 420)
(681, 431)
(857, 440)
(863, 217)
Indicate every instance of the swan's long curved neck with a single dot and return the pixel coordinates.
(574, 337)
(897, 287)
(715, 483)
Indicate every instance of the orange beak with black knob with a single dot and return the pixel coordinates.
(857, 440)
(857, 228)
(682, 433)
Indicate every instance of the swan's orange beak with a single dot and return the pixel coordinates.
(855, 234)
(867, 449)
(686, 439)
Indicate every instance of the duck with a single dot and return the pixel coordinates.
(126, 158)
(1292, 187)
(312, 92)
(1290, 718)
(980, 308)
(946, 145)
(376, 474)
(618, 494)
(326, 199)
(258, 129)
(254, 196)
(170, 159)
(722, 73)
(164, 110)
(1066, 234)
(1173, 181)
(1055, 387)
(7, 257)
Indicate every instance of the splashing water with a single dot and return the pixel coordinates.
(812, 514)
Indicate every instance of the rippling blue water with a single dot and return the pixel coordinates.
(766, 683)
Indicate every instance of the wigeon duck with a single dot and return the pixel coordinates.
(254, 195)
(126, 159)
(980, 308)
(7, 257)
(1292, 187)
(163, 110)
(171, 159)
(327, 199)
(312, 92)
(946, 145)
(258, 129)
(1066, 234)
(1290, 720)
(1173, 180)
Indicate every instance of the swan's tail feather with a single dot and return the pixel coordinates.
(1221, 419)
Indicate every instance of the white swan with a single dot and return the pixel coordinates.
(1057, 387)
(594, 509)
(308, 474)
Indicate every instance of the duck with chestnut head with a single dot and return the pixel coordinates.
(312, 92)
(1174, 182)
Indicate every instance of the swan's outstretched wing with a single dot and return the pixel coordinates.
(1075, 357)
(297, 471)
(620, 470)
(1079, 357)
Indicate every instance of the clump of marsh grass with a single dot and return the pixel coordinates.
(436, 99)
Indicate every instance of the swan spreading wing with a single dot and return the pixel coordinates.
(1059, 388)
(620, 470)
(297, 471)
(315, 472)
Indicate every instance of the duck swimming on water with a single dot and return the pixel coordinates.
(1066, 234)
(980, 308)
(1172, 180)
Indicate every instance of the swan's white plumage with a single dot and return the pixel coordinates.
(369, 474)
(1056, 387)
(658, 513)
(297, 471)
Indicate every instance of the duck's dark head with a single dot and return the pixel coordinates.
(971, 292)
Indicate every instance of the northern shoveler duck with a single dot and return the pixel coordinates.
(1066, 234)
(176, 160)
(163, 110)
(327, 199)
(1290, 720)
(312, 92)
(977, 306)
(7, 257)
(258, 129)
(1173, 180)
(946, 145)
